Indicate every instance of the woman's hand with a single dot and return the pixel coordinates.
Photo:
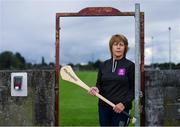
(119, 108)
(93, 91)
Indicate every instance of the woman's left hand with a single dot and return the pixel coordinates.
(119, 108)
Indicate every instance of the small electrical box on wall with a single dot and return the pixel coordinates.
(19, 84)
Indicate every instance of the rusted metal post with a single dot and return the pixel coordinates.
(142, 116)
(137, 64)
(56, 113)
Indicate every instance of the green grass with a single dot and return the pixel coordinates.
(77, 107)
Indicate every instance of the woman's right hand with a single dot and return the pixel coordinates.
(93, 91)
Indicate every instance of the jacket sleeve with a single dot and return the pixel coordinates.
(98, 82)
(130, 94)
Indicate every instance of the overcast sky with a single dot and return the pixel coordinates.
(28, 27)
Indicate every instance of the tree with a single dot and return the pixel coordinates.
(51, 65)
(8, 60)
(43, 63)
(20, 61)
(96, 64)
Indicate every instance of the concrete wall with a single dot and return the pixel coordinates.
(162, 97)
(35, 109)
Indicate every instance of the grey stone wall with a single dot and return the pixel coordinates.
(162, 97)
(35, 109)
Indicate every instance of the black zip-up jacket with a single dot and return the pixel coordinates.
(117, 86)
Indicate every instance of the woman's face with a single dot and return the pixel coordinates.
(118, 49)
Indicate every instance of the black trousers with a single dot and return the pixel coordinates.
(107, 117)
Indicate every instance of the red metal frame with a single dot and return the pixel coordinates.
(97, 11)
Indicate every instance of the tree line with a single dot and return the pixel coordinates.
(10, 60)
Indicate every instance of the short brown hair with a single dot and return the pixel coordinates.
(118, 38)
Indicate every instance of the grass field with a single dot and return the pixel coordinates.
(77, 108)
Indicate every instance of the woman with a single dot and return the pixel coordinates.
(115, 82)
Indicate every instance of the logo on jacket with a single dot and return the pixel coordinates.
(121, 71)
